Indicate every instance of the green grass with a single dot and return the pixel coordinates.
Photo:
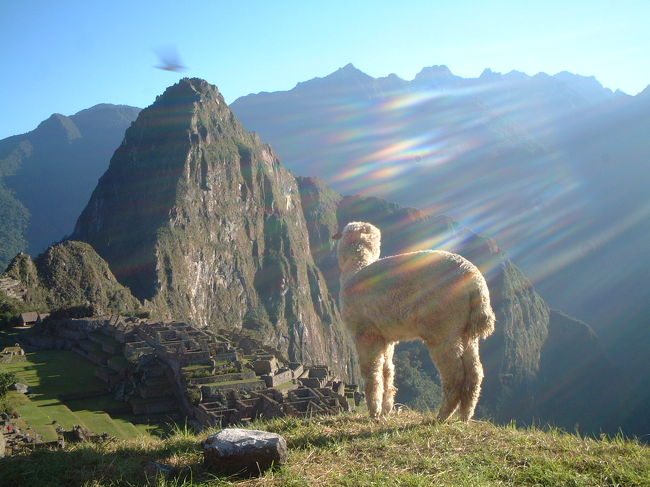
(52, 374)
(285, 385)
(233, 382)
(409, 449)
(191, 368)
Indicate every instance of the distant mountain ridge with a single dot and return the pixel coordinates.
(47, 175)
(491, 144)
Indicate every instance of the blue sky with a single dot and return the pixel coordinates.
(69, 55)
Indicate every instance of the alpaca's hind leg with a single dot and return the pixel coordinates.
(473, 378)
(371, 348)
(448, 360)
(389, 378)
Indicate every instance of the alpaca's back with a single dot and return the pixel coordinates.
(431, 295)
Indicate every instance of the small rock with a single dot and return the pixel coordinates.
(22, 388)
(240, 451)
(77, 434)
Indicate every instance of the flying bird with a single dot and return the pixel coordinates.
(169, 59)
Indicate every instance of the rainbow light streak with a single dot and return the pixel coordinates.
(572, 253)
(447, 127)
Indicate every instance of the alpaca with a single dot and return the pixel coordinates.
(436, 296)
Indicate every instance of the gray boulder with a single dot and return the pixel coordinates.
(22, 388)
(244, 452)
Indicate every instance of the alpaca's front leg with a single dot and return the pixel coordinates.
(371, 348)
(389, 378)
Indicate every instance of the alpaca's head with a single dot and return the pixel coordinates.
(358, 246)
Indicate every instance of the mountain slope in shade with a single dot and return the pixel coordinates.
(485, 151)
(198, 216)
(555, 168)
(47, 175)
(530, 363)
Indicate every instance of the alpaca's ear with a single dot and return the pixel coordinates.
(337, 236)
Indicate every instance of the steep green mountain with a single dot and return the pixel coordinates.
(197, 216)
(539, 364)
(47, 175)
(68, 275)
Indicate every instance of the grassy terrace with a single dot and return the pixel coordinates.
(285, 385)
(194, 368)
(233, 382)
(51, 375)
(409, 449)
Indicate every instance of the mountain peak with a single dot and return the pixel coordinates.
(434, 73)
(588, 86)
(349, 71)
(488, 73)
(58, 126)
(347, 75)
(198, 216)
(189, 90)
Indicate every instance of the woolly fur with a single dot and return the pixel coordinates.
(436, 296)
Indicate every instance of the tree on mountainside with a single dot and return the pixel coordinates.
(7, 380)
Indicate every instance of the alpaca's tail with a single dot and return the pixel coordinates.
(481, 316)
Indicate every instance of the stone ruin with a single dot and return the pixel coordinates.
(16, 437)
(12, 354)
(183, 371)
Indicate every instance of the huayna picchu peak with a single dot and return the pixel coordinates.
(197, 216)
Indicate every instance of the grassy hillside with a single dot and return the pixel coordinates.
(54, 378)
(409, 449)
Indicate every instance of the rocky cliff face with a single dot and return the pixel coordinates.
(67, 275)
(197, 216)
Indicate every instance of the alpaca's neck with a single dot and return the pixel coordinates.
(355, 263)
